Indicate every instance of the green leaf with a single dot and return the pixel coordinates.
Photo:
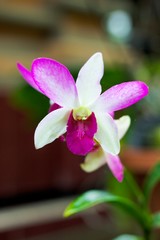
(151, 180)
(156, 220)
(94, 197)
(128, 237)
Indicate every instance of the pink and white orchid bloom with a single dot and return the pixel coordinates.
(82, 113)
(98, 157)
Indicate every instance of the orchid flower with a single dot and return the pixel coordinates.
(98, 157)
(81, 112)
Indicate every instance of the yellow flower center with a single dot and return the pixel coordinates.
(81, 113)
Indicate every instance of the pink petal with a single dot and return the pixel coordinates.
(121, 96)
(26, 74)
(55, 81)
(115, 166)
(80, 134)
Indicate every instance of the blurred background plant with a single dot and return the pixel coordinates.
(149, 123)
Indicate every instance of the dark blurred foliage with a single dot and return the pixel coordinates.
(146, 35)
(34, 104)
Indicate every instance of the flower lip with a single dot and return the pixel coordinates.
(53, 107)
(80, 134)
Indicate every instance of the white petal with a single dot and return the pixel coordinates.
(94, 160)
(88, 81)
(123, 124)
(51, 102)
(107, 133)
(51, 127)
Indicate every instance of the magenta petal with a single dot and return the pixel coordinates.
(122, 96)
(54, 107)
(26, 74)
(80, 134)
(115, 166)
(55, 81)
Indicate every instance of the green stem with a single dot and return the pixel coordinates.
(147, 234)
(136, 191)
(146, 226)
